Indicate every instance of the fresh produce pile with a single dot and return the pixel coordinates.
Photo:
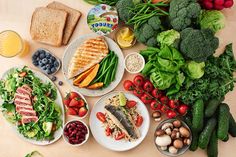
(75, 104)
(43, 95)
(154, 97)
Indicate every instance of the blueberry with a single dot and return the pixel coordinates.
(53, 69)
(48, 71)
(50, 61)
(60, 83)
(54, 78)
(48, 66)
(41, 56)
(35, 63)
(53, 58)
(43, 68)
(40, 63)
(36, 53)
(45, 61)
(34, 57)
(47, 54)
(56, 64)
(42, 51)
(37, 59)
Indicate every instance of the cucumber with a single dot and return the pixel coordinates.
(212, 149)
(211, 106)
(232, 126)
(194, 144)
(223, 121)
(226, 139)
(198, 115)
(205, 135)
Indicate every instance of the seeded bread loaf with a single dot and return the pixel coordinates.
(47, 25)
(72, 19)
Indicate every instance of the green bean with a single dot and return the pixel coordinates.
(103, 73)
(114, 70)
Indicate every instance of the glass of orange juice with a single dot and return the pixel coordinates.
(11, 44)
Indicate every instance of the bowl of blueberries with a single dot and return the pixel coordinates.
(46, 61)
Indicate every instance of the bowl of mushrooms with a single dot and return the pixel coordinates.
(172, 137)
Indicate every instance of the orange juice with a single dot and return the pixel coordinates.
(11, 44)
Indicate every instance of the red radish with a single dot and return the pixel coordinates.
(208, 5)
(228, 3)
(218, 7)
(219, 2)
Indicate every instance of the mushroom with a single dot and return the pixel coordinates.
(174, 134)
(168, 131)
(173, 150)
(178, 144)
(187, 141)
(184, 132)
(160, 132)
(177, 123)
(163, 148)
(167, 125)
(157, 116)
(163, 141)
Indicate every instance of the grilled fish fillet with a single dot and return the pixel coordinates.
(91, 52)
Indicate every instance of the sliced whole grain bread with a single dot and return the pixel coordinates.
(47, 25)
(72, 19)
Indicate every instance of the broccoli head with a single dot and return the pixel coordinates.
(183, 12)
(147, 32)
(198, 45)
(123, 9)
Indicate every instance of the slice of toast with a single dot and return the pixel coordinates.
(72, 19)
(47, 25)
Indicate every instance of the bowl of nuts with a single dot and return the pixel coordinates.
(172, 137)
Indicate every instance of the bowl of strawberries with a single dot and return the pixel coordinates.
(76, 104)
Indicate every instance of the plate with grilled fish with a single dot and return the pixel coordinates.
(93, 65)
(32, 105)
(119, 121)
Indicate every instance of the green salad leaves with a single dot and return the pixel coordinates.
(48, 112)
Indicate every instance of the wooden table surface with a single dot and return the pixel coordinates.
(16, 15)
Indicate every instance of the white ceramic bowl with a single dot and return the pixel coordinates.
(86, 137)
(143, 62)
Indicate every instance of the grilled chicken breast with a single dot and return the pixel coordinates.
(91, 52)
(123, 121)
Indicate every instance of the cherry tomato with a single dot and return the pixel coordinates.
(164, 108)
(108, 131)
(173, 103)
(164, 100)
(128, 85)
(155, 92)
(120, 136)
(171, 114)
(146, 99)
(131, 103)
(183, 109)
(148, 86)
(138, 92)
(139, 121)
(138, 81)
(101, 117)
(155, 105)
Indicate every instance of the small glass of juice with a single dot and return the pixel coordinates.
(11, 44)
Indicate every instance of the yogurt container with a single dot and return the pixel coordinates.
(102, 19)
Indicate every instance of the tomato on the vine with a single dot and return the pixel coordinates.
(138, 81)
(146, 99)
(148, 86)
(138, 92)
(155, 105)
(171, 114)
(173, 103)
(164, 108)
(183, 109)
(128, 85)
(164, 100)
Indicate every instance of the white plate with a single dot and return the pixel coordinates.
(58, 101)
(98, 131)
(69, 52)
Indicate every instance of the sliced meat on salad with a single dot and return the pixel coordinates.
(123, 120)
(22, 101)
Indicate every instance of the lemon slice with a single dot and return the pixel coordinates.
(123, 43)
(125, 32)
(122, 99)
(129, 38)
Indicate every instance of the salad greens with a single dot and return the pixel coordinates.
(45, 94)
(216, 82)
(169, 38)
(194, 70)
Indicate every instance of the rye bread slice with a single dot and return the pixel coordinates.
(47, 25)
(72, 19)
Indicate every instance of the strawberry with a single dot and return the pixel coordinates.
(82, 111)
(73, 95)
(74, 102)
(71, 111)
(66, 101)
(81, 103)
